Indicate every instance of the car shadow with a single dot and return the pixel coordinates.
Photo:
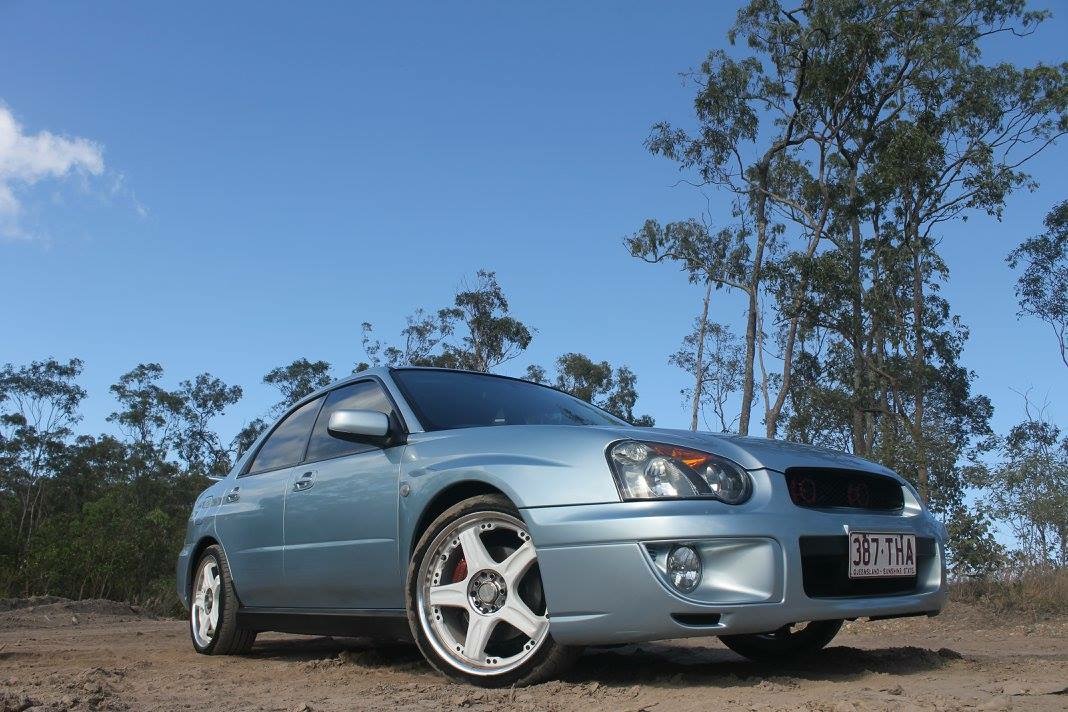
(717, 666)
(648, 663)
(340, 650)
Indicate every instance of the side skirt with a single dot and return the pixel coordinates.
(348, 622)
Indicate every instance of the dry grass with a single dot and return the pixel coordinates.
(1037, 594)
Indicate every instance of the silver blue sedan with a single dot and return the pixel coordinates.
(503, 525)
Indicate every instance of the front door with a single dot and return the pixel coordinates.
(341, 515)
(249, 520)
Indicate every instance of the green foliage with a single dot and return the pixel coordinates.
(476, 333)
(849, 134)
(975, 550)
(1042, 287)
(716, 365)
(1030, 487)
(492, 337)
(297, 379)
(147, 409)
(84, 516)
(597, 382)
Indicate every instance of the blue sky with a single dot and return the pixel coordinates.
(272, 176)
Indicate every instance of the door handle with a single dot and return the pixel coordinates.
(305, 481)
(233, 495)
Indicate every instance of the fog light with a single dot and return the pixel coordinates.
(684, 568)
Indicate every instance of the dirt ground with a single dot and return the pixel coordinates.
(100, 655)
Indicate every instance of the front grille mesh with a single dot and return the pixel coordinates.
(827, 488)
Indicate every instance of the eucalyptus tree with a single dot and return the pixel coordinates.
(147, 410)
(716, 260)
(491, 335)
(849, 131)
(767, 131)
(958, 147)
(728, 150)
(38, 410)
(712, 353)
(583, 377)
(297, 379)
(197, 444)
(161, 423)
(613, 388)
(476, 332)
(420, 339)
(293, 381)
(1030, 486)
(1042, 287)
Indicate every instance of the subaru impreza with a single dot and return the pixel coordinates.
(503, 525)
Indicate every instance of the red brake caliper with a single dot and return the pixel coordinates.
(460, 572)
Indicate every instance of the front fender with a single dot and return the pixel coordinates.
(534, 466)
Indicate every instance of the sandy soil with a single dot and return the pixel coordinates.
(99, 655)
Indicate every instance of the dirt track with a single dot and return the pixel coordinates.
(96, 655)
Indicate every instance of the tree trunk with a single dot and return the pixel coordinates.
(920, 366)
(698, 367)
(856, 337)
(760, 213)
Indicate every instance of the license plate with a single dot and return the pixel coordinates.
(881, 555)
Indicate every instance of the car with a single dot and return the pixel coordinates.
(504, 525)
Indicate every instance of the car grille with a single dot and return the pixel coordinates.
(822, 488)
(825, 569)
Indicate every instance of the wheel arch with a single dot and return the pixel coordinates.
(197, 551)
(194, 558)
(449, 496)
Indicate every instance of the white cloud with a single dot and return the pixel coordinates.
(26, 159)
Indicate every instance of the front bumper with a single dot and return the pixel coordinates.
(602, 585)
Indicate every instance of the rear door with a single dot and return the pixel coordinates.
(249, 519)
(341, 514)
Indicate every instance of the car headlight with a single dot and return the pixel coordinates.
(646, 470)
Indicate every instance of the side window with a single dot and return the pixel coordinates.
(365, 395)
(285, 446)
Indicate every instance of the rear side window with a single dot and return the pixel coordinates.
(285, 446)
(365, 395)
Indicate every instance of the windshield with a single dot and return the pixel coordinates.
(443, 400)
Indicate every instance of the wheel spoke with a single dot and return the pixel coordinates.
(475, 551)
(453, 595)
(517, 564)
(518, 614)
(216, 582)
(479, 629)
(204, 627)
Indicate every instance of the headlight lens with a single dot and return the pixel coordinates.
(646, 470)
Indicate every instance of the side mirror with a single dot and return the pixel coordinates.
(360, 425)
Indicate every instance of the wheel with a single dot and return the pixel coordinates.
(789, 642)
(475, 601)
(213, 608)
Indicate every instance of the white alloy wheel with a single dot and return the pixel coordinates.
(479, 596)
(205, 604)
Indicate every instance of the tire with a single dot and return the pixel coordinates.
(474, 572)
(213, 608)
(784, 644)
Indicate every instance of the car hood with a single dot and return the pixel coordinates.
(756, 453)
